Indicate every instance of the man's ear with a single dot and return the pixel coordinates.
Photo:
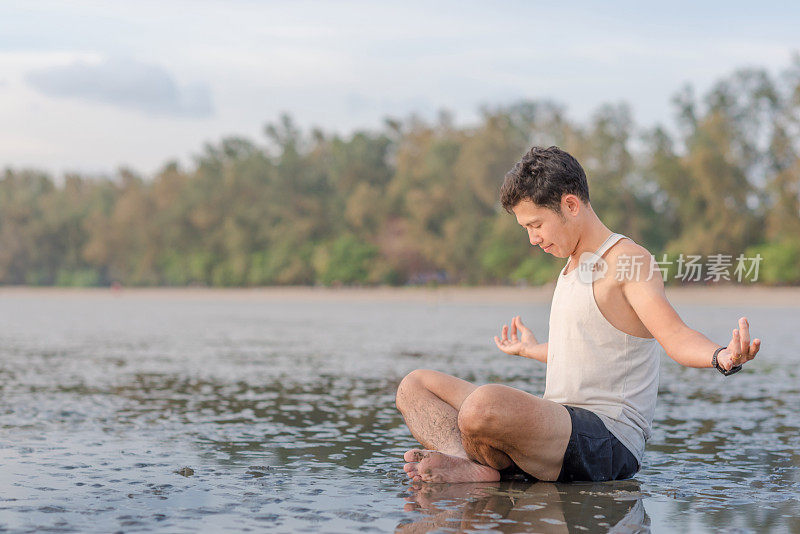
(570, 204)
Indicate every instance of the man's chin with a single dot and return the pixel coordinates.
(552, 251)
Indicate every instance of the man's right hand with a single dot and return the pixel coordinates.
(518, 345)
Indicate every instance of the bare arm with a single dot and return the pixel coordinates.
(684, 345)
(524, 344)
(537, 352)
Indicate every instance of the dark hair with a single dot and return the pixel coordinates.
(543, 176)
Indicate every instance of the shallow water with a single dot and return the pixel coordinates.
(170, 413)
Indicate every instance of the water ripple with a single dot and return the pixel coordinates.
(186, 416)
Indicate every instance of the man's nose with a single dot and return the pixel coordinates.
(534, 239)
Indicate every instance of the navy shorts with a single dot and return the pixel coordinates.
(593, 453)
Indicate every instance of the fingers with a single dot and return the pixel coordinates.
(503, 339)
(744, 336)
(754, 347)
(523, 330)
(752, 350)
(510, 344)
(736, 348)
(499, 343)
(747, 348)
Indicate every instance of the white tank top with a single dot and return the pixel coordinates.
(593, 365)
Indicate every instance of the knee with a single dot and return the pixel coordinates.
(481, 412)
(410, 383)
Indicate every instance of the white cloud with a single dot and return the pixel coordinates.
(126, 84)
(341, 66)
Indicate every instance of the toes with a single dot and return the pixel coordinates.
(427, 476)
(415, 455)
(411, 470)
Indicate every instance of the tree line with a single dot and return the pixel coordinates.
(416, 201)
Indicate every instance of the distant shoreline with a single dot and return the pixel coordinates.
(759, 296)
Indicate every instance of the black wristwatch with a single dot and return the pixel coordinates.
(722, 370)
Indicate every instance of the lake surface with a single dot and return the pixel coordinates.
(183, 414)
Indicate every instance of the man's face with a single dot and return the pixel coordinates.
(546, 229)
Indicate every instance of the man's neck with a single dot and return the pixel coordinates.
(591, 239)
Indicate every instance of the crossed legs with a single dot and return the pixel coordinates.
(472, 432)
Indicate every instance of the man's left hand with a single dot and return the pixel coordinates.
(740, 350)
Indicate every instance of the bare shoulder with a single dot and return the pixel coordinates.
(634, 270)
(631, 268)
(625, 250)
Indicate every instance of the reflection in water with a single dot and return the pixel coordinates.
(520, 506)
(184, 415)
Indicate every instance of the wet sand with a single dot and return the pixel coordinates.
(274, 410)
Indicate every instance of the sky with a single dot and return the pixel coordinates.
(94, 86)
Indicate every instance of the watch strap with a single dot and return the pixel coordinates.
(722, 370)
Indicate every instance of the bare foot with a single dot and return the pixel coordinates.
(435, 466)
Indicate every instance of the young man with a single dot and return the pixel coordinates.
(602, 355)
